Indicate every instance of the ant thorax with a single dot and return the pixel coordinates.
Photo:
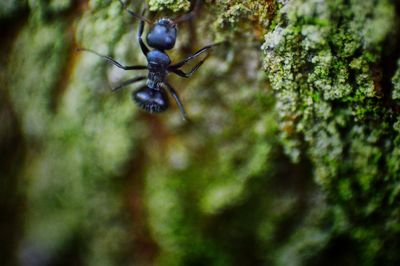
(158, 63)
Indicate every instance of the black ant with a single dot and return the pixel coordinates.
(162, 36)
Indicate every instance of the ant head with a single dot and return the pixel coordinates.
(151, 100)
(163, 35)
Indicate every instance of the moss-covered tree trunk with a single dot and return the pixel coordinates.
(292, 155)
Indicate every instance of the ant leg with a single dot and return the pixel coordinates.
(172, 91)
(133, 14)
(143, 46)
(196, 54)
(189, 15)
(142, 19)
(112, 61)
(190, 73)
(127, 82)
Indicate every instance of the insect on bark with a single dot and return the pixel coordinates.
(152, 96)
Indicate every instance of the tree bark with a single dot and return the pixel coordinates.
(291, 156)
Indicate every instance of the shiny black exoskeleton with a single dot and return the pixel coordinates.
(162, 36)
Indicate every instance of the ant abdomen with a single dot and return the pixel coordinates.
(153, 101)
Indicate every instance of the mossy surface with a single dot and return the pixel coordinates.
(396, 83)
(322, 59)
(291, 155)
(74, 155)
(8, 8)
(180, 5)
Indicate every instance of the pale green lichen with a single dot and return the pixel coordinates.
(241, 20)
(174, 5)
(318, 60)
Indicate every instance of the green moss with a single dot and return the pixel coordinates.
(77, 153)
(42, 9)
(396, 83)
(38, 54)
(182, 195)
(345, 130)
(9, 7)
(241, 20)
(174, 5)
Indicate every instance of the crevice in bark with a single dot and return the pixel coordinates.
(12, 158)
(388, 64)
(144, 247)
(70, 15)
(12, 150)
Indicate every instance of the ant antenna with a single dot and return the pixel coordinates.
(189, 15)
(133, 14)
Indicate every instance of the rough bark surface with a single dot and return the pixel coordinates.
(292, 156)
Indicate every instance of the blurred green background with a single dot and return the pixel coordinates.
(292, 155)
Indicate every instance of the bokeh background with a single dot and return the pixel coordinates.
(292, 155)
